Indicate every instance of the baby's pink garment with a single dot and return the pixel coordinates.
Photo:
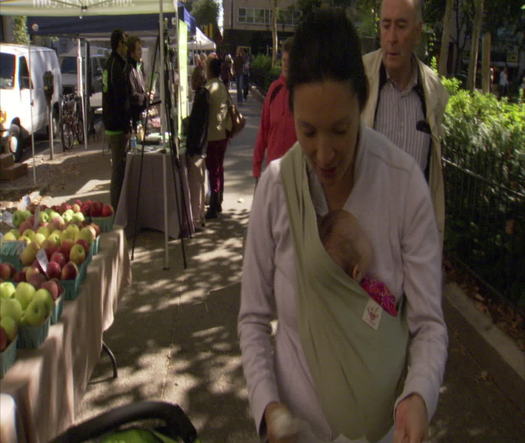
(380, 293)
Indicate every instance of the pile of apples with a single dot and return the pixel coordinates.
(24, 305)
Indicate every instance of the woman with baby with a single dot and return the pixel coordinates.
(346, 364)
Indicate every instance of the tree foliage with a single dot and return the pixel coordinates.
(205, 12)
(20, 31)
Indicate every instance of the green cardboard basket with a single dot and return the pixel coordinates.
(8, 357)
(31, 337)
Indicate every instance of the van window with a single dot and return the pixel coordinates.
(23, 74)
(7, 71)
(69, 65)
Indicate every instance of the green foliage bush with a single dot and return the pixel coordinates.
(484, 151)
(262, 73)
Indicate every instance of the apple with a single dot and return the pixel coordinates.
(36, 280)
(68, 215)
(20, 216)
(43, 217)
(96, 227)
(29, 233)
(45, 296)
(39, 239)
(65, 247)
(76, 206)
(32, 270)
(78, 218)
(96, 209)
(84, 244)
(28, 254)
(88, 234)
(53, 270)
(4, 339)
(36, 313)
(11, 235)
(7, 289)
(50, 248)
(107, 211)
(69, 271)
(19, 276)
(24, 293)
(53, 287)
(6, 271)
(58, 222)
(10, 327)
(77, 254)
(86, 207)
(44, 230)
(58, 257)
(11, 307)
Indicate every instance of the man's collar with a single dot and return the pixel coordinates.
(414, 79)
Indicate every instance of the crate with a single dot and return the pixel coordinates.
(31, 337)
(105, 223)
(8, 357)
(57, 310)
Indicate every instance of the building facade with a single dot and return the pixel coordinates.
(249, 23)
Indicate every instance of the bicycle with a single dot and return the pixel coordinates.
(71, 123)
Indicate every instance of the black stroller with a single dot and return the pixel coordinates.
(109, 427)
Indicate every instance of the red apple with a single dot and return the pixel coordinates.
(53, 287)
(7, 270)
(36, 279)
(59, 258)
(54, 269)
(65, 247)
(69, 271)
(107, 211)
(96, 228)
(84, 244)
(96, 209)
(32, 270)
(19, 276)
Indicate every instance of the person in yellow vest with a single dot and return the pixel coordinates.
(341, 366)
(407, 100)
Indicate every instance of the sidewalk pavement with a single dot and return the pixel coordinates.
(175, 336)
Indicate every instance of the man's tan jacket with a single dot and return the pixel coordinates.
(436, 98)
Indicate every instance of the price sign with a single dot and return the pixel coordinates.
(42, 259)
(7, 218)
(24, 203)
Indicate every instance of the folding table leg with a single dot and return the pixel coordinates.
(108, 351)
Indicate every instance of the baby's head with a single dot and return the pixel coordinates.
(346, 242)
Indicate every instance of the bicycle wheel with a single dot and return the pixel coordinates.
(66, 134)
(79, 127)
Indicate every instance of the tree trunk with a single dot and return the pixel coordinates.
(474, 46)
(445, 38)
(485, 63)
(275, 37)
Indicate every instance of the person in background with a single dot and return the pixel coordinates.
(196, 146)
(407, 101)
(218, 124)
(238, 71)
(116, 109)
(331, 371)
(504, 82)
(246, 68)
(276, 130)
(136, 76)
(227, 70)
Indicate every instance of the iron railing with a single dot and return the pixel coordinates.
(485, 220)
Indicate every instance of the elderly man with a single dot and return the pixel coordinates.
(407, 101)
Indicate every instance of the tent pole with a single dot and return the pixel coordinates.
(80, 88)
(31, 85)
(163, 129)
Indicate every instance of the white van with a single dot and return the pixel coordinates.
(23, 104)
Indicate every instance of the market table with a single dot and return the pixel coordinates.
(152, 189)
(46, 384)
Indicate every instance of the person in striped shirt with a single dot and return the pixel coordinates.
(407, 100)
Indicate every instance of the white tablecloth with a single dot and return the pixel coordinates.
(46, 384)
(152, 188)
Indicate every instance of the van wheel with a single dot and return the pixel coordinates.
(15, 143)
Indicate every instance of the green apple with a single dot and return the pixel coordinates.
(78, 217)
(29, 233)
(10, 327)
(43, 217)
(77, 254)
(20, 216)
(44, 230)
(10, 307)
(88, 234)
(68, 215)
(45, 296)
(39, 239)
(7, 289)
(36, 313)
(11, 235)
(24, 293)
(28, 255)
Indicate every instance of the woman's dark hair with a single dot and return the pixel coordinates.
(326, 47)
(133, 40)
(214, 67)
(116, 37)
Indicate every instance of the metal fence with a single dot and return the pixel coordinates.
(485, 221)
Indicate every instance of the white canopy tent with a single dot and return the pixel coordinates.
(84, 8)
(201, 42)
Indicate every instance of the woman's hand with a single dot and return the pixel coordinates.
(281, 427)
(411, 424)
